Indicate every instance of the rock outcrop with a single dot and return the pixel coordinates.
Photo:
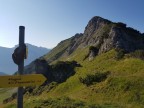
(107, 35)
(57, 72)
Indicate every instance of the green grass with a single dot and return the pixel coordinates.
(58, 51)
(5, 93)
(122, 88)
(63, 102)
(125, 73)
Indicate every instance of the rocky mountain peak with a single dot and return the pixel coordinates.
(103, 35)
(106, 35)
(94, 24)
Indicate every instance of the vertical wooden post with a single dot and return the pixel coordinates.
(21, 66)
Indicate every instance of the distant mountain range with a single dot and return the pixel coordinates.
(1, 73)
(6, 63)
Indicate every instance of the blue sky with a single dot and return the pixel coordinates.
(48, 22)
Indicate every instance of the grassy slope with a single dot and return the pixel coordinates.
(58, 51)
(5, 93)
(124, 87)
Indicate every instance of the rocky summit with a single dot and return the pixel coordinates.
(102, 34)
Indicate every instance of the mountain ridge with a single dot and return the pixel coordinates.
(104, 35)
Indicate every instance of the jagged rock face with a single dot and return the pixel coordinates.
(75, 41)
(107, 35)
(109, 42)
(129, 42)
(94, 24)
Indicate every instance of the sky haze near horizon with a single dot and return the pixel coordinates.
(47, 22)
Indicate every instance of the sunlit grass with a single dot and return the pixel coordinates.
(123, 88)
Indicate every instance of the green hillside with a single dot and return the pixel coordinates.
(123, 86)
(5, 93)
